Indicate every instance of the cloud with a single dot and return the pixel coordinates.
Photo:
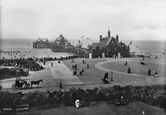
(49, 18)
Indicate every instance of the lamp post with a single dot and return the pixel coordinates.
(79, 46)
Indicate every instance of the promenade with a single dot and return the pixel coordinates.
(52, 74)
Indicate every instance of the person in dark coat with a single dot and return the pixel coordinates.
(82, 70)
(76, 66)
(73, 67)
(111, 75)
(149, 72)
(60, 84)
(74, 72)
(156, 74)
(83, 62)
(59, 61)
(129, 70)
(87, 65)
(106, 75)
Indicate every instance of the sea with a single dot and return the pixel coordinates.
(25, 47)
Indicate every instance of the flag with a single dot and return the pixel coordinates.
(79, 42)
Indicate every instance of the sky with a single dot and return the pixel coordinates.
(130, 19)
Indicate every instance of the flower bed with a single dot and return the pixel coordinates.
(22, 63)
(152, 95)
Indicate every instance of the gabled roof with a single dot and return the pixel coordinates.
(115, 41)
(94, 45)
(108, 41)
(104, 42)
(60, 38)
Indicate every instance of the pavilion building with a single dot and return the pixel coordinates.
(42, 43)
(109, 46)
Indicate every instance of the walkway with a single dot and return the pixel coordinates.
(61, 71)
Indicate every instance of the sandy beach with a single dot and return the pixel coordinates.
(35, 53)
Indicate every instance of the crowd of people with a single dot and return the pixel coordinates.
(75, 69)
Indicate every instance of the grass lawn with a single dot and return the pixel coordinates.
(136, 67)
(94, 75)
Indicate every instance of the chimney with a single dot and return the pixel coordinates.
(109, 33)
(117, 38)
(100, 38)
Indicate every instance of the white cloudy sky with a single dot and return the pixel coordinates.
(131, 19)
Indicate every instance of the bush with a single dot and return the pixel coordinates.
(152, 95)
(26, 63)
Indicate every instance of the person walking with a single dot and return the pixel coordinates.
(77, 103)
(76, 66)
(60, 84)
(156, 74)
(149, 72)
(87, 65)
(82, 70)
(129, 70)
(51, 64)
(74, 72)
(106, 75)
(73, 67)
(111, 75)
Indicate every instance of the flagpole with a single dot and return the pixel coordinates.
(79, 43)
(78, 48)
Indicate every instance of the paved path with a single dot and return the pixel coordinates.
(50, 75)
(61, 71)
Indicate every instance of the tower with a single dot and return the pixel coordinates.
(117, 38)
(100, 38)
(109, 33)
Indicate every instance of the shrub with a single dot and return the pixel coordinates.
(152, 95)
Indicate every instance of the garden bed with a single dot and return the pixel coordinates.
(17, 67)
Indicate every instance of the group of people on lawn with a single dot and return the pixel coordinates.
(74, 67)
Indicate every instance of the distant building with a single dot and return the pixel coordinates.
(109, 47)
(42, 43)
(61, 44)
(62, 41)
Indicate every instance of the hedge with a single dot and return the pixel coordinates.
(153, 95)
